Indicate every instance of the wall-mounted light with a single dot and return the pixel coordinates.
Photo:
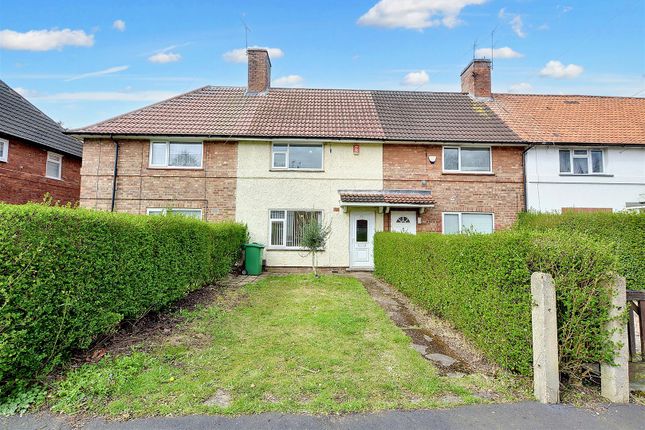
(432, 159)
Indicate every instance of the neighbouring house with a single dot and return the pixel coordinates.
(276, 158)
(36, 157)
(586, 153)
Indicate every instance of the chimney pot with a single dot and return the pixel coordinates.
(476, 78)
(259, 65)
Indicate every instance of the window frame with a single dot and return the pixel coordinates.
(589, 157)
(466, 172)
(5, 150)
(167, 163)
(284, 219)
(287, 153)
(50, 156)
(443, 220)
(163, 211)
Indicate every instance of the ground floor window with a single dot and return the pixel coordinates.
(191, 213)
(464, 222)
(285, 226)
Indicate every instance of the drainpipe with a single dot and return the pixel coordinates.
(116, 160)
(526, 205)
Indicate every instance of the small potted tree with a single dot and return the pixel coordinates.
(314, 238)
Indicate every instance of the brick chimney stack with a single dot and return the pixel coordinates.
(475, 79)
(259, 70)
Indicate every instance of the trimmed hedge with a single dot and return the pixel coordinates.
(626, 230)
(481, 284)
(68, 275)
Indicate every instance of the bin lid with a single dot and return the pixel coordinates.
(253, 245)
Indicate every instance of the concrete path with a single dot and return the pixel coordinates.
(525, 416)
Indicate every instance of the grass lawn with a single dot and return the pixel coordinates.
(286, 343)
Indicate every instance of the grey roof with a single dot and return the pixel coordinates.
(21, 119)
(315, 113)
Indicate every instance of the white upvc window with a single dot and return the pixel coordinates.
(467, 159)
(4, 150)
(582, 161)
(285, 226)
(190, 213)
(297, 156)
(54, 167)
(468, 222)
(176, 155)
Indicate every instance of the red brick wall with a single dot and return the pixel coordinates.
(502, 193)
(211, 188)
(22, 177)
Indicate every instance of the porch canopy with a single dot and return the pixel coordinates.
(385, 199)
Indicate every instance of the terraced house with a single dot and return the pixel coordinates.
(275, 158)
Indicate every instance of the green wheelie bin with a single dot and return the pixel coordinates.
(253, 259)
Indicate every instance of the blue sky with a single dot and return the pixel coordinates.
(84, 61)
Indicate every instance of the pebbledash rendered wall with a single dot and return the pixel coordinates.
(210, 188)
(260, 189)
(22, 176)
(500, 192)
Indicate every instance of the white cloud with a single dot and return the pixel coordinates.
(44, 40)
(504, 52)
(119, 24)
(416, 79)
(288, 81)
(520, 87)
(515, 21)
(102, 96)
(239, 55)
(26, 93)
(164, 57)
(555, 69)
(415, 14)
(108, 71)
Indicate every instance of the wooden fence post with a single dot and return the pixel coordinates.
(614, 380)
(546, 374)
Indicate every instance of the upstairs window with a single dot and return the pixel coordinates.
(4, 150)
(180, 155)
(582, 161)
(292, 156)
(467, 160)
(190, 213)
(286, 227)
(54, 165)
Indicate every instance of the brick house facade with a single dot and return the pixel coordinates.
(36, 157)
(139, 187)
(500, 193)
(23, 179)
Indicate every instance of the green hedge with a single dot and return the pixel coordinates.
(68, 275)
(481, 284)
(626, 230)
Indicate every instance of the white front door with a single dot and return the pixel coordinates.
(361, 240)
(403, 221)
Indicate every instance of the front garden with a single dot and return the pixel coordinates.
(286, 343)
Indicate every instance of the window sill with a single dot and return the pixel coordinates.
(278, 248)
(55, 179)
(174, 168)
(586, 175)
(468, 173)
(295, 170)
